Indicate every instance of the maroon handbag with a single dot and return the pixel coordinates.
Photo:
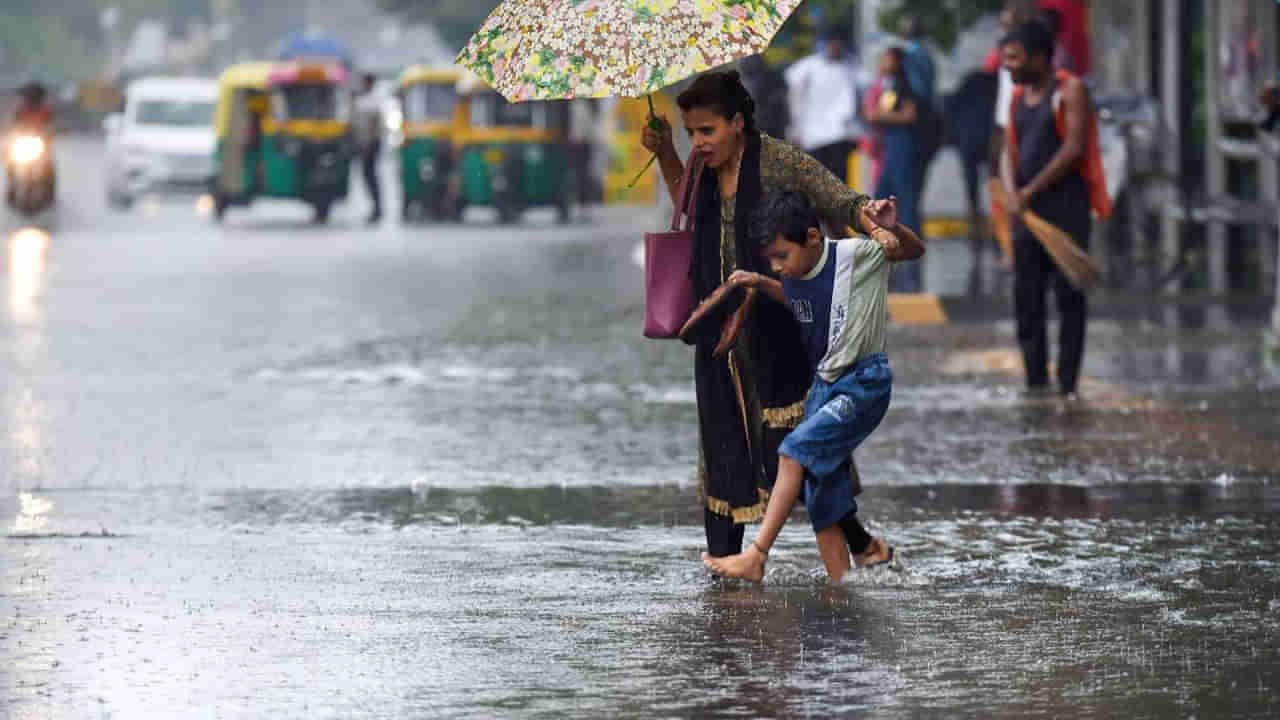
(668, 259)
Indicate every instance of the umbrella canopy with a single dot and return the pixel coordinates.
(564, 49)
(309, 45)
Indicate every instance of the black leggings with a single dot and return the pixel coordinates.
(724, 537)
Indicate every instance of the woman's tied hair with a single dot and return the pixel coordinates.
(723, 93)
(787, 213)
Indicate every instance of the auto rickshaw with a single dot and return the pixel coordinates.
(284, 131)
(514, 156)
(431, 115)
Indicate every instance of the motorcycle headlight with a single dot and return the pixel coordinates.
(26, 149)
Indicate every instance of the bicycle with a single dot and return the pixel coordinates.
(1133, 135)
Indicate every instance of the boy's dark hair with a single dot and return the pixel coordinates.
(723, 93)
(1034, 36)
(788, 213)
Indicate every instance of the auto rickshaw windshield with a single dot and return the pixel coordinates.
(309, 102)
(429, 103)
(491, 110)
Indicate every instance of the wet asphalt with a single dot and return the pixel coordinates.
(269, 469)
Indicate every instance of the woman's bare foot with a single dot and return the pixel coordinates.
(877, 552)
(748, 564)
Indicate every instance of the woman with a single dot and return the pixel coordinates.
(893, 115)
(750, 398)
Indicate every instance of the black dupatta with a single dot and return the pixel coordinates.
(737, 461)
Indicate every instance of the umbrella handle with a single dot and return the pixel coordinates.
(642, 171)
(654, 121)
(656, 124)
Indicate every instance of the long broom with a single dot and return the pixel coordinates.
(1075, 263)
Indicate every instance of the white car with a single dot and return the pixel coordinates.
(164, 140)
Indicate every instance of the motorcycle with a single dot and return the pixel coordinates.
(29, 162)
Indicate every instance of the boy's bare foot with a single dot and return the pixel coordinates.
(877, 553)
(748, 564)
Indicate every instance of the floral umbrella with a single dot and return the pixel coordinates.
(565, 49)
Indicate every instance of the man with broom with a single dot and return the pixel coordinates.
(1051, 170)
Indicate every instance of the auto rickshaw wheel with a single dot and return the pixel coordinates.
(321, 215)
(219, 207)
(564, 205)
(508, 213)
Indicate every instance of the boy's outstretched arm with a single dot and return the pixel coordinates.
(769, 286)
(900, 242)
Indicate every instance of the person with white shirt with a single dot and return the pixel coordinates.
(368, 137)
(824, 106)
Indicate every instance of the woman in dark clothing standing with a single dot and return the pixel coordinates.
(750, 398)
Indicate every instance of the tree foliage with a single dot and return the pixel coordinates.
(455, 19)
(65, 39)
(943, 20)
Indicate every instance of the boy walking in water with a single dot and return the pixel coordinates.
(838, 292)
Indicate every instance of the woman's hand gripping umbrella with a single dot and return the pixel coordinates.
(657, 127)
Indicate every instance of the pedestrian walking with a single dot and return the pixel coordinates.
(368, 130)
(917, 63)
(752, 396)
(837, 291)
(1050, 166)
(1015, 13)
(893, 111)
(822, 96)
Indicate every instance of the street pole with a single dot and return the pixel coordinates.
(1215, 164)
(108, 19)
(1270, 153)
(1172, 14)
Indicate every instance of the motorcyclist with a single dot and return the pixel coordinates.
(33, 114)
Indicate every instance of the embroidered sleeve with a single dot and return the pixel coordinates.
(794, 169)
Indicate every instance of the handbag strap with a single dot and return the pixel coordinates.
(687, 205)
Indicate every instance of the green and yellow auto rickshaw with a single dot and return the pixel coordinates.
(514, 156)
(283, 132)
(431, 114)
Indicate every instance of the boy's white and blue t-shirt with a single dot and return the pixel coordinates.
(841, 305)
(842, 309)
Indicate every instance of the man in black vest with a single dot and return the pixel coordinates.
(1041, 173)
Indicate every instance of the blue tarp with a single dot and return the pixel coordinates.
(312, 44)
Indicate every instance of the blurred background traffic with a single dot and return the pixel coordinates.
(235, 101)
(281, 441)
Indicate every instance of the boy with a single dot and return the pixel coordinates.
(838, 292)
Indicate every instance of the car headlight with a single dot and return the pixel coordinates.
(26, 149)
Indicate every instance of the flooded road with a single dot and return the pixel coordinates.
(273, 470)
